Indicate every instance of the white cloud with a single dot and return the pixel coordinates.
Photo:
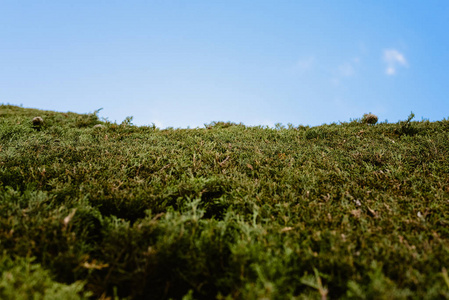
(393, 59)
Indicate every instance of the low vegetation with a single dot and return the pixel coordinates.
(369, 119)
(354, 210)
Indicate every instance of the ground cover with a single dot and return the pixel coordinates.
(340, 211)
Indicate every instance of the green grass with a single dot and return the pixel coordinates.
(347, 211)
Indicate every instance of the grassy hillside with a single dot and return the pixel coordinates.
(350, 211)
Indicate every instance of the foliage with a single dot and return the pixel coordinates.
(406, 127)
(351, 211)
(369, 119)
(23, 279)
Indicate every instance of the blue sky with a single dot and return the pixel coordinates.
(187, 63)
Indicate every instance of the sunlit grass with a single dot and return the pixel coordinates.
(351, 210)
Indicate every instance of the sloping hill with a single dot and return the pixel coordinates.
(336, 211)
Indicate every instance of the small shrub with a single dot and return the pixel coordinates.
(87, 120)
(369, 119)
(37, 123)
(406, 127)
(128, 121)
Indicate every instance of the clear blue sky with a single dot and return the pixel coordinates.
(186, 63)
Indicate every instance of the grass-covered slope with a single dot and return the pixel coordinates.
(352, 211)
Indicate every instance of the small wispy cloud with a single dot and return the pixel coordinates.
(345, 70)
(393, 60)
(305, 64)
